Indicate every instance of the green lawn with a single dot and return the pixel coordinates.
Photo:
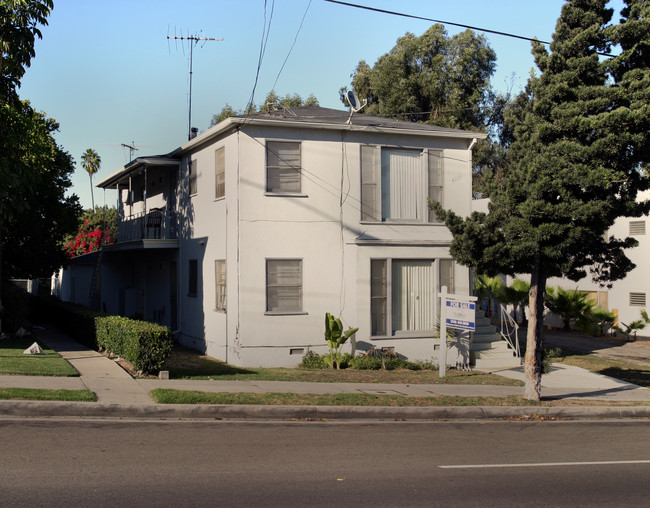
(42, 394)
(166, 396)
(188, 364)
(13, 361)
(636, 373)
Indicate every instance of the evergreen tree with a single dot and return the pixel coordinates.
(571, 170)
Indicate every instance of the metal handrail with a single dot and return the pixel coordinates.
(509, 328)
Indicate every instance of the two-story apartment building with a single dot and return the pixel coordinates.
(244, 237)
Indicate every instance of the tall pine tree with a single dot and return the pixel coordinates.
(570, 172)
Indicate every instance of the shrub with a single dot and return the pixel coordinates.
(76, 321)
(145, 345)
(16, 307)
(312, 360)
(365, 363)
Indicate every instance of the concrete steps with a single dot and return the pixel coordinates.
(488, 348)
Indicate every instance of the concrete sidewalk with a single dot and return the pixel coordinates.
(119, 394)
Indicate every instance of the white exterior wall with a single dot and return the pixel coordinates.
(637, 281)
(249, 226)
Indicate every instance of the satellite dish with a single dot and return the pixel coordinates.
(352, 98)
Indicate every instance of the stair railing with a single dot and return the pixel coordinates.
(508, 326)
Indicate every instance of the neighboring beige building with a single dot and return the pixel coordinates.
(244, 237)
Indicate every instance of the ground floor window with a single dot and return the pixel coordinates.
(220, 283)
(403, 294)
(284, 286)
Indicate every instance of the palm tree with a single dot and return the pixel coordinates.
(90, 161)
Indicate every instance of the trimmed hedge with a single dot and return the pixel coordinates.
(146, 346)
(75, 320)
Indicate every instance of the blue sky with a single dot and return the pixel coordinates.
(107, 74)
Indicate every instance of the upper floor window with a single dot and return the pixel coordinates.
(396, 183)
(220, 173)
(192, 178)
(283, 167)
(637, 299)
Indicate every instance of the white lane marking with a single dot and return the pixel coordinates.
(546, 464)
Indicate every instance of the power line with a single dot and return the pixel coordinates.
(265, 31)
(478, 29)
(294, 43)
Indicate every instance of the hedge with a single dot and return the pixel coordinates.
(145, 345)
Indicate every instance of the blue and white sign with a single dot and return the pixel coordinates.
(460, 314)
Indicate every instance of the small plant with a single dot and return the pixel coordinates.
(312, 360)
(336, 337)
(631, 329)
(570, 304)
(548, 356)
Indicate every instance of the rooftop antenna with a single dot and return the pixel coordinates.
(355, 103)
(193, 40)
(132, 148)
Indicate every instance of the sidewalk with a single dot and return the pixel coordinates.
(120, 395)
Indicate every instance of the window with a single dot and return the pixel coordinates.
(283, 167)
(396, 183)
(220, 173)
(402, 294)
(637, 299)
(220, 284)
(192, 177)
(284, 286)
(637, 227)
(193, 278)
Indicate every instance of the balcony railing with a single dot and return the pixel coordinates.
(159, 224)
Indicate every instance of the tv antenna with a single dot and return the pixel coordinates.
(132, 148)
(355, 103)
(192, 40)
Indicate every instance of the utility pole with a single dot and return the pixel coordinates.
(193, 40)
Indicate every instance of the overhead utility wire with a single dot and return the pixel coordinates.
(294, 43)
(478, 29)
(265, 38)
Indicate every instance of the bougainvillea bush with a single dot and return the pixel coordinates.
(96, 229)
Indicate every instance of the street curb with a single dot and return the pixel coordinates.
(262, 412)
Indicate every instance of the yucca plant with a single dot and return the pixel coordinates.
(336, 337)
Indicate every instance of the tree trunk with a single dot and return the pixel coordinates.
(533, 358)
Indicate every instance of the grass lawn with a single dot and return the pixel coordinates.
(166, 396)
(42, 394)
(186, 363)
(638, 374)
(13, 361)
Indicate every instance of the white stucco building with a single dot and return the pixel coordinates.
(244, 237)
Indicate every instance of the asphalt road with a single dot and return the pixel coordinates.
(54, 462)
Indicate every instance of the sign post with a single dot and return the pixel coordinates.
(458, 312)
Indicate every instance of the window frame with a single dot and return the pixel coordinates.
(372, 177)
(221, 295)
(193, 184)
(269, 169)
(387, 296)
(270, 288)
(220, 173)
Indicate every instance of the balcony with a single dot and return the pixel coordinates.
(156, 224)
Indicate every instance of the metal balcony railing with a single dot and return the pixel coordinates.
(157, 223)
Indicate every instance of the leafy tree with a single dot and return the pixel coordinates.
(97, 227)
(19, 22)
(439, 80)
(272, 101)
(571, 170)
(90, 161)
(34, 236)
